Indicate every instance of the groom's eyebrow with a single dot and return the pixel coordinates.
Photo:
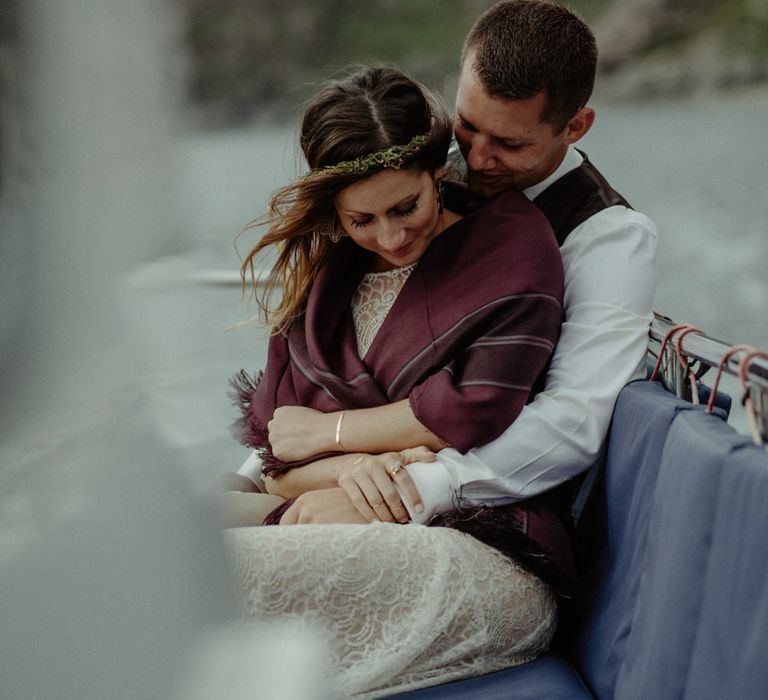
(496, 137)
(466, 123)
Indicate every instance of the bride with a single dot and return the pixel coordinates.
(397, 289)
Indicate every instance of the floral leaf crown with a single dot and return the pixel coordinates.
(393, 157)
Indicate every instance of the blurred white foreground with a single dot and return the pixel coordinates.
(113, 578)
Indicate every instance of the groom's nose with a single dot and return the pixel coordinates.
(480, 156)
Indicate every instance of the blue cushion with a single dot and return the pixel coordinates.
(642, 419)
(549, 677)
(680, 530)
(730, 649)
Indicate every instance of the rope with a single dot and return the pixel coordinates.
(748, 402)
(683, 329)
(721, 365)
(683, 359)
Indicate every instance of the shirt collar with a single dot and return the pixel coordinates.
(572, 160)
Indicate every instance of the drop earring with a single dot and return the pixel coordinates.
(439, 194)
(332, 229)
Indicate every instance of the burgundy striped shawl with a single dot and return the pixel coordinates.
(466, 341)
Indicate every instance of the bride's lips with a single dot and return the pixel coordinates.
(402, 250)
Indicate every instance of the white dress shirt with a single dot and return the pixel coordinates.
(610, 279)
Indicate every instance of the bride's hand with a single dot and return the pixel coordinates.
(324, 506)
(296, 432)
(369, 481)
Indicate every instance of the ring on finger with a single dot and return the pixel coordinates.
(395, 467)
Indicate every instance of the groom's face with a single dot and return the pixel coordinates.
(505, 143)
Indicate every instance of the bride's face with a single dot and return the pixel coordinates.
(392, 213)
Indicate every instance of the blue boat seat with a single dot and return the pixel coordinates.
(551, 676)
(612, 539)
(670, 579)
(730, 644)
(674, 562)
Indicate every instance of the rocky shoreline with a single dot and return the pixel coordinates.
(705, 64)
(666, 48)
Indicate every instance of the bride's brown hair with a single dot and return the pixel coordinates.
(368, 112)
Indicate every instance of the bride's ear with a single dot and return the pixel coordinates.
(439, 173)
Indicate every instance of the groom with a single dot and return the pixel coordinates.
(527, 73)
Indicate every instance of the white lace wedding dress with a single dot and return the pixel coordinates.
(400, 606)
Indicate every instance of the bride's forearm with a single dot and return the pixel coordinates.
(322, 474)
(296, 432)
(391, 427)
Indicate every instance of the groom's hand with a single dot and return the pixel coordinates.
(377, 485)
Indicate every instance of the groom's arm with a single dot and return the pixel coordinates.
(610, 275)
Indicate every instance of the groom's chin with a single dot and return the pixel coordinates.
(486, 186)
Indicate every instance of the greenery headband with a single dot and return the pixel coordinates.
(393, 157)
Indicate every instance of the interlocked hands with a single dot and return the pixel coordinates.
(371, 488)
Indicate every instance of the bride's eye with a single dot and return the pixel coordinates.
(361, 224)
(409, 210)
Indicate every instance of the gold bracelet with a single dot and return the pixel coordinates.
(338, 432)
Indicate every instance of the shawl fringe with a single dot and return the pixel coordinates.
(273, 517)
(248, 429)
(244, 386)
(251, 432)
(503, 528)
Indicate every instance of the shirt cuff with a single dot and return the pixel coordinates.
(252, 469)
(435, 484)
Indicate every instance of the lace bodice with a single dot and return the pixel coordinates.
(373, 300)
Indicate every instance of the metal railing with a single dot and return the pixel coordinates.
(708, 353)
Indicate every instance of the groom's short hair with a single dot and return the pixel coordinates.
(521, 47)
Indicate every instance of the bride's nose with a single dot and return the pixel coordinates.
(392, 235)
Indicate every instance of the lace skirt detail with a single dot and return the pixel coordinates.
(400, 606)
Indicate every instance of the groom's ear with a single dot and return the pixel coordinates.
(580, 124)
